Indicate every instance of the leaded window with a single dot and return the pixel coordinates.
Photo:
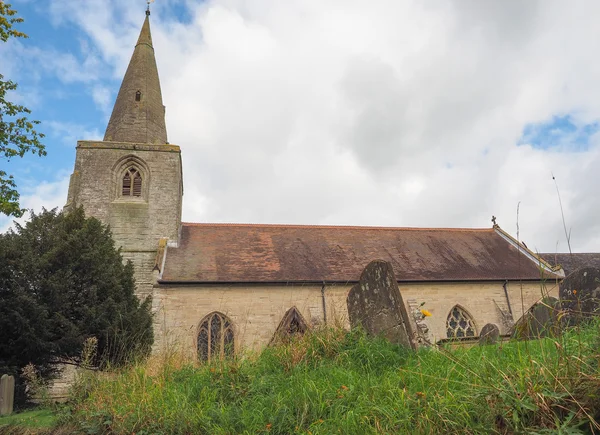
(215, 338)
(460, 324)
(132, 183)
(291, 324)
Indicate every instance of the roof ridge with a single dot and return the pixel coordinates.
(228, 224)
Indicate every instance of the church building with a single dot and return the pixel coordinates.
(219, 289)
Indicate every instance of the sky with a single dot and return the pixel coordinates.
(342, 112)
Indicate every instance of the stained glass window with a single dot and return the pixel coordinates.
(215, 338)
(460, 324)
(291, 324)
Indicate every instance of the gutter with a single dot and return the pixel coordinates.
(323, 303)
(350, 283)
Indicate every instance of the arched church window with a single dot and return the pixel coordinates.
(291, 324)
(132, 183)
(215, 337)
(460, 324)
(138, 96)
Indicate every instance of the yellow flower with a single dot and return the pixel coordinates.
(425, 313)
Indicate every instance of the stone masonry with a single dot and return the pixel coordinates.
(137, 223)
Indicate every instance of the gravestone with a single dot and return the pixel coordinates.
(7, 394)
(542, 320)
(375, 303)
(489, 334)
(580, 295)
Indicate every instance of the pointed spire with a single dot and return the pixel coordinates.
(139, 114)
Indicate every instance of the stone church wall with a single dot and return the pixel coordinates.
(256, 310)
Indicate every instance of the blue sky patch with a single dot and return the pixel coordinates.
(561, 132)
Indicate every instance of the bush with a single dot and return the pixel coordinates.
(61, 282)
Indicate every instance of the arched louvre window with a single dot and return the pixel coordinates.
(215, 337)
(291, 324)
(460, 324)
(132, 183)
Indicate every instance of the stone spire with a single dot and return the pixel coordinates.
(139, 114)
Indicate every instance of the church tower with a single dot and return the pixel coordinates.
(132, 180)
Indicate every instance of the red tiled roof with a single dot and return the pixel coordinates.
(238, 253)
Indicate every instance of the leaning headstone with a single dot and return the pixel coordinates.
(7, 394)
(542, 320)
(489, 334)
(375, 304)
(580, 295)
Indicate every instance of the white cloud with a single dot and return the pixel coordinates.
(47, 194)
(103, 98)
(384, 112)
(70, 133)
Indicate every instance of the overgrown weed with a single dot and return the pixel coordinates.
(335, 381)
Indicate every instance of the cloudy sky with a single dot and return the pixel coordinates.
(378, 112)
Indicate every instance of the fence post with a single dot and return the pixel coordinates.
(7, 394)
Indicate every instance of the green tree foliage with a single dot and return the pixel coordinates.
(17, 134)
(61, 282)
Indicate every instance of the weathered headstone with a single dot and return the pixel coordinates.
(375, 304)
(7, 394)
(580, 294)
(489, 334)
(542, 320)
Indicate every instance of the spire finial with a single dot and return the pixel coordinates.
(148, 8)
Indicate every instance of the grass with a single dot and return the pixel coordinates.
(333, 381)
(31, 421)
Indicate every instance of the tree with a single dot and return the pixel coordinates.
(17, 134)
(62, 281)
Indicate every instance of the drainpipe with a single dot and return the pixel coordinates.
(507, 299)
(323, 303)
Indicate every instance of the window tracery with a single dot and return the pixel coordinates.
(291, 324)
(132, 183)
(460, 324)
(215, 338)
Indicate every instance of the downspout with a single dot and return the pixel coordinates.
(507, 299)
(323, 303)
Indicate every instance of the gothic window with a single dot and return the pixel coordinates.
(215, 338)
(460, 324)
(291, 324)
(138, 96)
(132, 183)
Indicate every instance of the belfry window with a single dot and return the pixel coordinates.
(460, 324)
(132, 183)
(215, 338)
(138, 96)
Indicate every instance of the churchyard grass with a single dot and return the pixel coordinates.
(30, 421)
(333, 381)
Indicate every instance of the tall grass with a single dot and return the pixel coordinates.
(333, 381)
